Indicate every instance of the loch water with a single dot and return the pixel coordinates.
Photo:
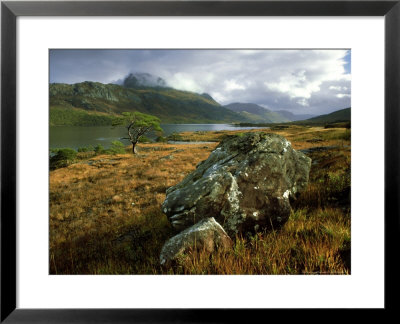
(80, 136)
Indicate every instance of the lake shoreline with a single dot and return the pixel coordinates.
(84, 136)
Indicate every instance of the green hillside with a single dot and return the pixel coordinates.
(342, 115)
(93, 103)
(256, 114)
(77, 117)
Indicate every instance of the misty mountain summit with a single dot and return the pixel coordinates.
(137, 80)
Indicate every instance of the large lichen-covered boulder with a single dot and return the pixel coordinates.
(206, 236)
(245, 184)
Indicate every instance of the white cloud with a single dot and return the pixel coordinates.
(303, 102)
(296, 85)
(231, 85)
(219, 97)
(184, 81)
(343, 95)
(338, 88)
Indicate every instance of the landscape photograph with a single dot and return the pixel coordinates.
(200, 161)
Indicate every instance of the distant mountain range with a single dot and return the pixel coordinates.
(293, 117)
(256, 114)
(259, 114)
(93, 103)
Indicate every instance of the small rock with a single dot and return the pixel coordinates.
(206, 236)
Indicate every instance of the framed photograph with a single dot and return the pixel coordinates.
(163, 158)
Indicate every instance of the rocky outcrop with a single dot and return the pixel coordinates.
(245, 184)
(205, 236)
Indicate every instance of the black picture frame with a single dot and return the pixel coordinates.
(10, 10)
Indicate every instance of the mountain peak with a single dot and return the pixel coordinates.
(135, 80)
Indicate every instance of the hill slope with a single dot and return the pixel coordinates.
(256, 113)
(341, 115)
(93, 103)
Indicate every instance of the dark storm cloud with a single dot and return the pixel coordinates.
(301, 81)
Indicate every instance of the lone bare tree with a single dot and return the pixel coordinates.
(137, 124)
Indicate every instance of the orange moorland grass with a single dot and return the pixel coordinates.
(309, 243)
(105, 215)
(98, 204)
(300, 136)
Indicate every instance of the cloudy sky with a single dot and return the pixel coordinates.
(301, 81)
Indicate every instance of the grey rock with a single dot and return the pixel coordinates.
(245, 184)
(205, 236)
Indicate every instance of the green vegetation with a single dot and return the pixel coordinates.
(342, 115)
(116, 148)
(137, 124)
(99, 149)
(175, 137)
(145, 139)
(77, 117)
(279, 127)
(86, 149)
(62, 158)
(161, 139)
